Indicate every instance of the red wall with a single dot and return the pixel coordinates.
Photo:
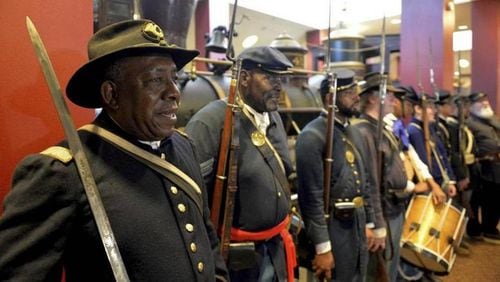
(427, 21)
(28, 121)
(485, 75)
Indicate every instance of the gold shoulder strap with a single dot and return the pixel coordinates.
(60, 153)
(165, 168)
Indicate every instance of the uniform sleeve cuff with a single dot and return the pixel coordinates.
(410, 186)
(323, 248)
(370, 225)
(380, 232)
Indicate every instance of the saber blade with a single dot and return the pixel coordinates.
(81, 161)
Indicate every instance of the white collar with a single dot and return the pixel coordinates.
(261, 119)
(154, 144)
(390, 119)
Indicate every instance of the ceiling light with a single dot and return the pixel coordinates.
(462, 40)
(463, 63)
(395, 21)
(250, 41)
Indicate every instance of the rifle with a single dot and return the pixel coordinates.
(229, 147)
(81, 161)
(330, 123)
(431, 72)
(425, 119)
(461, 114)
(381, 269)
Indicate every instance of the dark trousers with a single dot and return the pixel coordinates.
(270, 264)
(473, 225)
(490, 211)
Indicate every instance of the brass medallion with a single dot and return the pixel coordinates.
(349, 156)
(358, 202)
(258, 139)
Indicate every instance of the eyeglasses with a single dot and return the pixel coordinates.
(273, 78)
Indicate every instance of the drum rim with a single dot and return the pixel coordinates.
(429, 254)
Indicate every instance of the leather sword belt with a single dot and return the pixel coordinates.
(280, 229)
(491, 157)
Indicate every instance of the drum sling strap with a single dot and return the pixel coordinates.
(273, 159)
(444, 174)
(161, 166)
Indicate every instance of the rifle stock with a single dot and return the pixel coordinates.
(381, 270)
(220, 177)
(232, 186)
(229, 147)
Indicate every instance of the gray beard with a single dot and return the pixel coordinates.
(485, 113)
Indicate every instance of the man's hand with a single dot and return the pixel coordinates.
(463, 184)
(323, 265)
(438, 196)
(421, 187)
(379, 244)
(373, 242)
(370, 238)
(452, 190)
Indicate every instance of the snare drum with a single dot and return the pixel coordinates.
(431, 233)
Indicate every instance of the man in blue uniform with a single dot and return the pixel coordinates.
(161, 223)
(439, 165)
(262, 202)
(445, 106)
(338, 237)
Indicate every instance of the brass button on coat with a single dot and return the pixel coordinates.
(193, 247)
(200, 266)
(189, 227)
(181, 207)
(174, 190)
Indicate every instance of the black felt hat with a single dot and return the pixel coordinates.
(410, 94)
(461, 98)
(266, 58)
(372, 80)
(443, 97)
(476, 96)
(345, 80)
(122, 39)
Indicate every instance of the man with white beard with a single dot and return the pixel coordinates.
(486, 129)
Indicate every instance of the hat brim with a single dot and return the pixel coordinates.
(282, 72)
(83, 87)
(388, 88)
(345, 87)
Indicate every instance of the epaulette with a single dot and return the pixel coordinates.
(355, 121)
(60, 153)
(182, 133)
